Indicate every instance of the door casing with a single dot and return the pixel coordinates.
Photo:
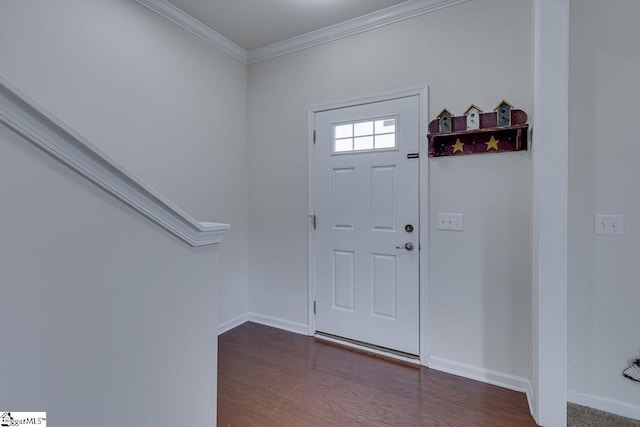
(423, 93)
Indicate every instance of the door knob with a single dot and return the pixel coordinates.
(408, 246)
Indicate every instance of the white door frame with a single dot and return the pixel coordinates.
(423, 93)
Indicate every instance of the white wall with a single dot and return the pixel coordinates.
(164, 103)
(477, 52)
(104, 314)
(604, 292)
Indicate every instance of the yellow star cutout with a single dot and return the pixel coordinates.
(458, 146)
(492, 143)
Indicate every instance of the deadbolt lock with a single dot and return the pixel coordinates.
(408, 228)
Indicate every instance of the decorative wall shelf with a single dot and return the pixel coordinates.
(457, 139)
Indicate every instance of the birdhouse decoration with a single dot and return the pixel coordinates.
(503, 111)
(473, 117)
(444, 120)
(504, 129)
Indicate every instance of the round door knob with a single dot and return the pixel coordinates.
(408, 246)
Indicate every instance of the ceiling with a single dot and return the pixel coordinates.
(252, 24)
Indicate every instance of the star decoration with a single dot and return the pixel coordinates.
(458, 146)
(492, 143)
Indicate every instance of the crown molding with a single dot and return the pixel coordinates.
(191, 24)
(390, 15)
(25, 116)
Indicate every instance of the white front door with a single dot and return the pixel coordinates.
(367, 223)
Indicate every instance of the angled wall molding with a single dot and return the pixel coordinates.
(26, 117)
(390, 15)
(189, 23)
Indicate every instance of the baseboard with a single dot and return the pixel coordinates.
(530, 400)
(605, 404)
(233, 323)
(298, 328)
(489, 376)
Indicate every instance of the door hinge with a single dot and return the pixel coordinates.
(314, 307)
(313, 221)
(413, 155)
(314, 136)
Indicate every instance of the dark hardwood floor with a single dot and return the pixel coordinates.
(268, 377)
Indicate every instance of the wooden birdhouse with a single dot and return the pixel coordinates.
(444, 117)
(473, 117)
(503, 112)
(476, 132)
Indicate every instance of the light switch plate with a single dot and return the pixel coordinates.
(609, 224)
(452, 222)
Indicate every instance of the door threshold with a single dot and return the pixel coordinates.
(374, 350)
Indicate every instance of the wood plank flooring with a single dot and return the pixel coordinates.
(269, 377)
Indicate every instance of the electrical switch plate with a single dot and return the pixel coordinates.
(447, 221)
(609, 224)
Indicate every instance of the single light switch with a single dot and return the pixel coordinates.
(609, 224)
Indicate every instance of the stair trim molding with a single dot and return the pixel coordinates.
(22, 114)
